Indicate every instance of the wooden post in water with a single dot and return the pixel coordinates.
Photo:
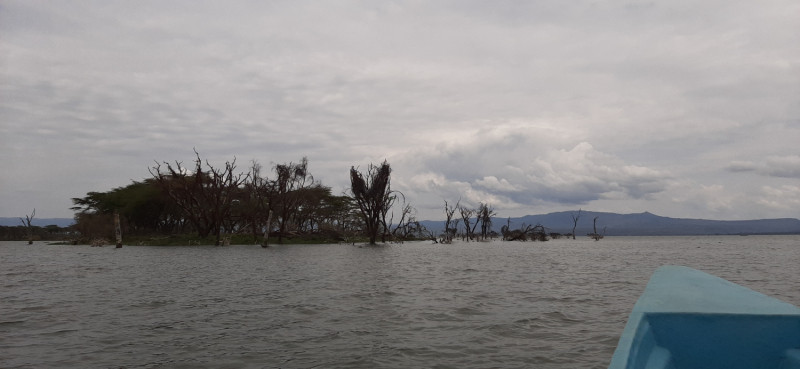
(266, 232)
(118, 230)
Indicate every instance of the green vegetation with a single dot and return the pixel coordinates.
(209, 205)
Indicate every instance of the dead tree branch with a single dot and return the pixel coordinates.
(575, 222)
(596, 236)
(204, 195)
(27, 223)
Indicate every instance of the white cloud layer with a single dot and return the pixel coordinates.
(522, 166)
(618, 106)
(786, 197)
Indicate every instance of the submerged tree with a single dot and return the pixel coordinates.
(504, 230)
(27, 223)
(406, 226)
(485, 214)
(594, 235)
(533, 232)
(291, 182)
(373, 194)
(450, 226)
(258, 201)
(466, 214)
(386, 225)
(575, 222)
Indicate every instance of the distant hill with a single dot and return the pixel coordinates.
(642, 224)
(61, 222)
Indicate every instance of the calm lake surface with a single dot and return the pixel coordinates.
(556, 304)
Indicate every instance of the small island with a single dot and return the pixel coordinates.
(208, 205)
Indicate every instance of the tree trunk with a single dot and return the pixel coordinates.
(254, 228)
(118, 230)
(266, 232)
(575, 221)
(280, 232)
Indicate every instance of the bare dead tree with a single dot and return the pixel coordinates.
(427, 234)
(485, 214)
(533, 232)
(406, 226)
(27, 223)
(291, 179)
(204, 195)
(449, 211)
(596, 236)
(539, 233)
(404, 213)
(506, 229)
(467, 213)
(259, 195)
(372, 192)
(575, 222)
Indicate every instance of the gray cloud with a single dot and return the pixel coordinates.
(773, 166)
(741, 166)
(520, 103)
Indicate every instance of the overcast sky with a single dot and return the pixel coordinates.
(681, 108)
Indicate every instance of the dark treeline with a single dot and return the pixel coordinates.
(35, 233)
(216, 201)
(284, 201)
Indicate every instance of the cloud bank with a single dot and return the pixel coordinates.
(520, 166)
(616, 106)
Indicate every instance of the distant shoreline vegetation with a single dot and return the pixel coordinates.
(37, 233)
(204, 204)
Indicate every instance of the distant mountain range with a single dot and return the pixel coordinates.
(61, 222)
(641, 224)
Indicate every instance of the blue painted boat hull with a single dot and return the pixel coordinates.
(689, 319)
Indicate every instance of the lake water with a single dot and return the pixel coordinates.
(556, 304)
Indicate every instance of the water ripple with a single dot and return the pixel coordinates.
(559, 304)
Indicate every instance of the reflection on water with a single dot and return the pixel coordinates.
(557, 304)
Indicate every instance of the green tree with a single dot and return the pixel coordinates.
(143, 207)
